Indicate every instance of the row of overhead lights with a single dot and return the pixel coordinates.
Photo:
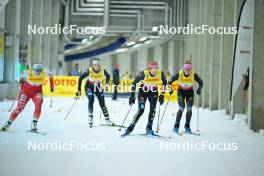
(86, 40)
(133, 44)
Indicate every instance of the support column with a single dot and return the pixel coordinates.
(181, 54)
(215, 56)
(174, 56)
(13, 14)
(134, 61)
(46, 37)
(227, 50)
(142, 58)
(113, 60)
(256, 121)
(198, 40)
(54, 41)
(165, 51)
(158, 55)
(36, 38)
(206, 44)
(150, 54)
(171, 58)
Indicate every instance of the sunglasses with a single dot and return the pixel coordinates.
(38, 70)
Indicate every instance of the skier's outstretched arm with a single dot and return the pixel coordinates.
(173, 78)
(82, 77)
(51, 80)
(164, 82)
(139, 78)
(200, 82)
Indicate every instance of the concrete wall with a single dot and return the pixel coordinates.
(11, 53)
(256, 102)
(142, 60)
(213, 54)
(41, 48)
(124, 59)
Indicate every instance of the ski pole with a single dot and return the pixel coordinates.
(125, 118)
(197, 125)
(51, 101)
(100, 117)
(14, 102)
(158, 120)
(12, 105)
(164, 111)
(76, 98)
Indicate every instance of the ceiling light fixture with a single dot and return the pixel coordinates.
(131, 43)
(84, 40)
(143, 39)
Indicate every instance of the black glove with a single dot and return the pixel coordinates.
(132, 100)
(198, 91)
(106, 87)
(171, 92)
(52, 89)
(78, 93)
(161, 99)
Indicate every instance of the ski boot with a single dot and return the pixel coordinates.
(149, 131)
(128, 130)
(34, 126)
(6, 126)
(90, 120)
(109, 122)
(188, 130)
(176, 130)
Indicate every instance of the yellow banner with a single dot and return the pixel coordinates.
(67, 86)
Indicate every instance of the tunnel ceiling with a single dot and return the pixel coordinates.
(127, 18)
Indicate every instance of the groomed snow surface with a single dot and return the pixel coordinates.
(107, 154)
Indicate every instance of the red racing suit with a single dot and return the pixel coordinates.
(31, 88)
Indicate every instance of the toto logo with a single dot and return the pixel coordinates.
(63, 82)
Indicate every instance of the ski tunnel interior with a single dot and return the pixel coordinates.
(224, 39)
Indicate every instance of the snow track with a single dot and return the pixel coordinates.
(129, 156)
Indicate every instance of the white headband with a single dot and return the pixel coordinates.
(96, 62)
